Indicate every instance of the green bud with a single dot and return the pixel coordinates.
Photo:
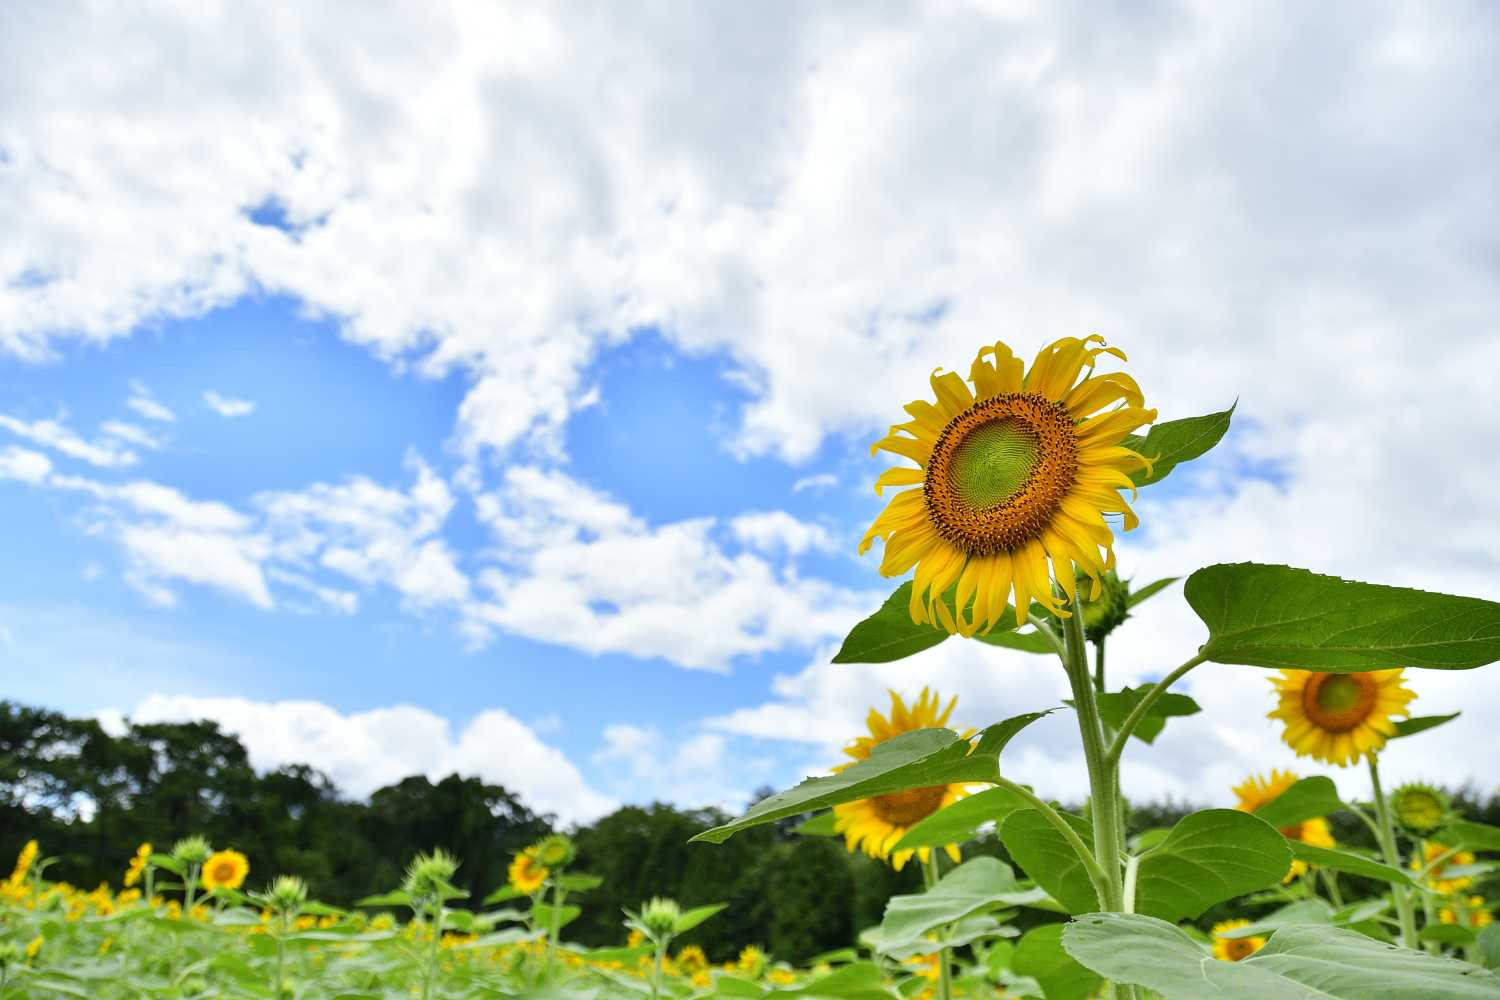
(555, 851)
(1107, 612)
(191, 850)
(1420, 808)
(660, 916)
(429, 873)
(287, 894)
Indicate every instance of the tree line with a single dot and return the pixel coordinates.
(90, 798)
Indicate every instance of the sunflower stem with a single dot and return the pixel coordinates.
(1387, 834)
(1117, 748)
(945, 956)
(1099, 666)
(1085, 855)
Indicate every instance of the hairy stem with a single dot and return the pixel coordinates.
(1084, 852)
(1387, 834)
(432, 953)
(1099, 666)
(945, 956)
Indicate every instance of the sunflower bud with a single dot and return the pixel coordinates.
(1107, 612)
(191, 851)
(555, 851)
(287, 894)
(1419, 808)
(660, 917)
(429, 874)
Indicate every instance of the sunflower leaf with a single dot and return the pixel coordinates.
(1026, 642)
(820, 825)
(1170, 444)
(1346, 861)
(1040, 955)
(959, 822)
(1465, 834)
(1489, 945)
(1116, 705)
(1277, 616)
(889, 634)
(1422, 723)
(918, 759)
(974, 887)
(1047, 858)
(1310, 798)
(1209, 856)
(1297, 963)
(1149, 591)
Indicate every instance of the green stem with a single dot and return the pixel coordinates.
(1331, 881)
(556, 920)
(432, 952)
(1388, 846)
(661, 950)
(280, 955)
(1084, 852)
(1099, 666)
(1117, 748)
(945, 956)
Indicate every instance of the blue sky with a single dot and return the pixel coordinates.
(542, 384)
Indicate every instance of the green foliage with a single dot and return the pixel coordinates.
(1173, 442)
(959, 821)
(973, 888)
(1210, 856)
(1040, 955)
(1277, 616)
(1421, 723)
(1044, 855)
(1308, 799)
(1116, 705)
(889, 634)
(1298, 962)
(1345, 861)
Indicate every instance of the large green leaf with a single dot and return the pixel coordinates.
(1303, 962)
(1047, 858)
(918, 759)
(854, 981)
(1463, 833)
(1422, 723)
(1029, 641)
(692, 918)
(1040, 955)
(1170, 444)
(1209, 856)
(889, 634)
(1116, 705)
(820, 825)
(1303, 911)
(1344, 861)
(974, 887)
(1310, 798)
(1489, 945)
(1277, 616)
(959, 822)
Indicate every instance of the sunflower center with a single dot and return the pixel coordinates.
(1293, 832)
(999, 471)
(1238, 948)
(910, 807)
(1337, 703)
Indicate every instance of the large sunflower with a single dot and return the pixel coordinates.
(1338, 718)
(1017, 473)
(876, 824)
(1256, 791)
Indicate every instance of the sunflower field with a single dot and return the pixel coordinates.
(1013, 487)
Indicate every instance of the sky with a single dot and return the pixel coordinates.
(421, 388)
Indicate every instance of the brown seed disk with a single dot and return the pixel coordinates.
(1023, 516)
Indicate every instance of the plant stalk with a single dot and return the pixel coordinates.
(1117, 748)
(1099, 666)
(1084, 852)
(1387, 834)
(433, 950)
(554, 929)
(661, 950)
(945, 956)
(280, 955)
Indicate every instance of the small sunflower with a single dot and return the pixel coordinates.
(1256, 791)
(1234, 949)
(1338, 718)
(225, 870)
(1473, 914)
(138, 865)
(1016, 476)
(527, 873)
(876, 824)
(1431, 851)
(1419, 807)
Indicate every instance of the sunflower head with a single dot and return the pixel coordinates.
(752, 961)
(1228, 949)
(1438, 867)
(225, 870)
(191, 851)
(428, 876)
(660, 917)
(1016, 471)
(1338, 718)
(287, 894)
(1420, 808)
(527, 873)
(876, 824)
(555, 850)
(1473, 913)
(1256, 791)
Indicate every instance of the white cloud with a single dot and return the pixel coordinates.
(52, 434)
(23, 464)
(131, 434)
(818, 483)
(146, 405)
(363, 751)
(579, 569)
(227, 406)
(777, 531)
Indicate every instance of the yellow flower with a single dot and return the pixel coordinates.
(752, 961)
(24, 861)
(526, 872)
(691, 959)
(634, 938)
(927, 966)
(1338, 718)
(1234, 949)
(1431, 851)
(1016, 477)
(225, 870)
(33, 947)
(1256, 791)
(876, 824)
(137, 865)
(1474, 915)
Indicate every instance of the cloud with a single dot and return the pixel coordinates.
(817, 483)
(363, 751)
(23, 464)
(776, 530)
(226, 406)
(578, 568)
(52, 434)
(131, 434)
(146, 405)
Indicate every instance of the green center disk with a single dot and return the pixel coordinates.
(1339, 694)
(994, 463)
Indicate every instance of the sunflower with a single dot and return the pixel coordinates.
(138, 864)
(1474, 914)
(1431, 851)
(1234, 949)
(225, 870)
(1338, 718)
(876, 824)
(527, 873)
(1256, 791)
(1016, 478)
